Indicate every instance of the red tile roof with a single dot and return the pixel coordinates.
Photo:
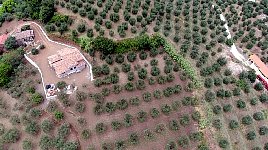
(3, 38)
(261, 65)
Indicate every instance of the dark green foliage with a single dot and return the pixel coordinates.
(46, 10)
(128, 120)
(166, 109)
(217, 124)
(37, 98)
(46, 142)
(122, 104)
(147, 96)
(154, 112)
(105, 45)
(32, 128)
(258, 116)
(81, 28)
(34, 51)
(210, 96)
(133, 139)
(171, 145)
(251, 135)
(135, 101)
(27, 145)
(263, 98)
(131, 57)
(59, 115)
(196, 116)
(247, 120)
(233, 124)
(142, 73)
(100, 128)
(223, 143)
(160, 128)
(227, 108)
(263, 130)
(217, 109)
(240, 104)
(196, 136)
(11, 136)
(80, 107)
(116, 125)
(10, 43)
(148, 134)
(47, 126)
(142, 116)
(183, 141)
(64, 130)
(258, 87)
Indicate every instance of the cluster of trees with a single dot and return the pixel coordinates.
(8, 63)
(38, 10)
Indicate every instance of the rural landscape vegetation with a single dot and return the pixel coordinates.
(164, 76)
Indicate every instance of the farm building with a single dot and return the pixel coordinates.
(66, 62)
(3, 38)
(24, 37)
(261, 65)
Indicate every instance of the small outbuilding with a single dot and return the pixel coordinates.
(24, 37)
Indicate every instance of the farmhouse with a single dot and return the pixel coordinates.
(3, 38)
(66, 62)
(24, 37)
(261, 65)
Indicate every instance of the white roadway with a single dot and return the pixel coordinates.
(35, 65)
(237, 54)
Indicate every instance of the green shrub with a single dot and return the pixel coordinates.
(142, 116)
(263, 130)
(160, 128)
(86, 134)
(251, 135)
(37, 98)
(185, 120)
(227, 108)
(122, 104)
(64, 130)
(11, 136)
(154, 112)
(59, 115)
(183, 141)
(247, 120)
(133, 139)
(196, 136)
(116, 125)
(32, 128)
(223, 143)
(135, 101)
(47, 126)
(166, 109)
(34, 51)
(217, 109)
(240, 104)
(217, 124)
(100, 128)
(173, 125)
(148, 134)
(171, 145)
(233, 124)
(258, 116)
(27, 145)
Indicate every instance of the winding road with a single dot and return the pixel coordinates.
(237, 54)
